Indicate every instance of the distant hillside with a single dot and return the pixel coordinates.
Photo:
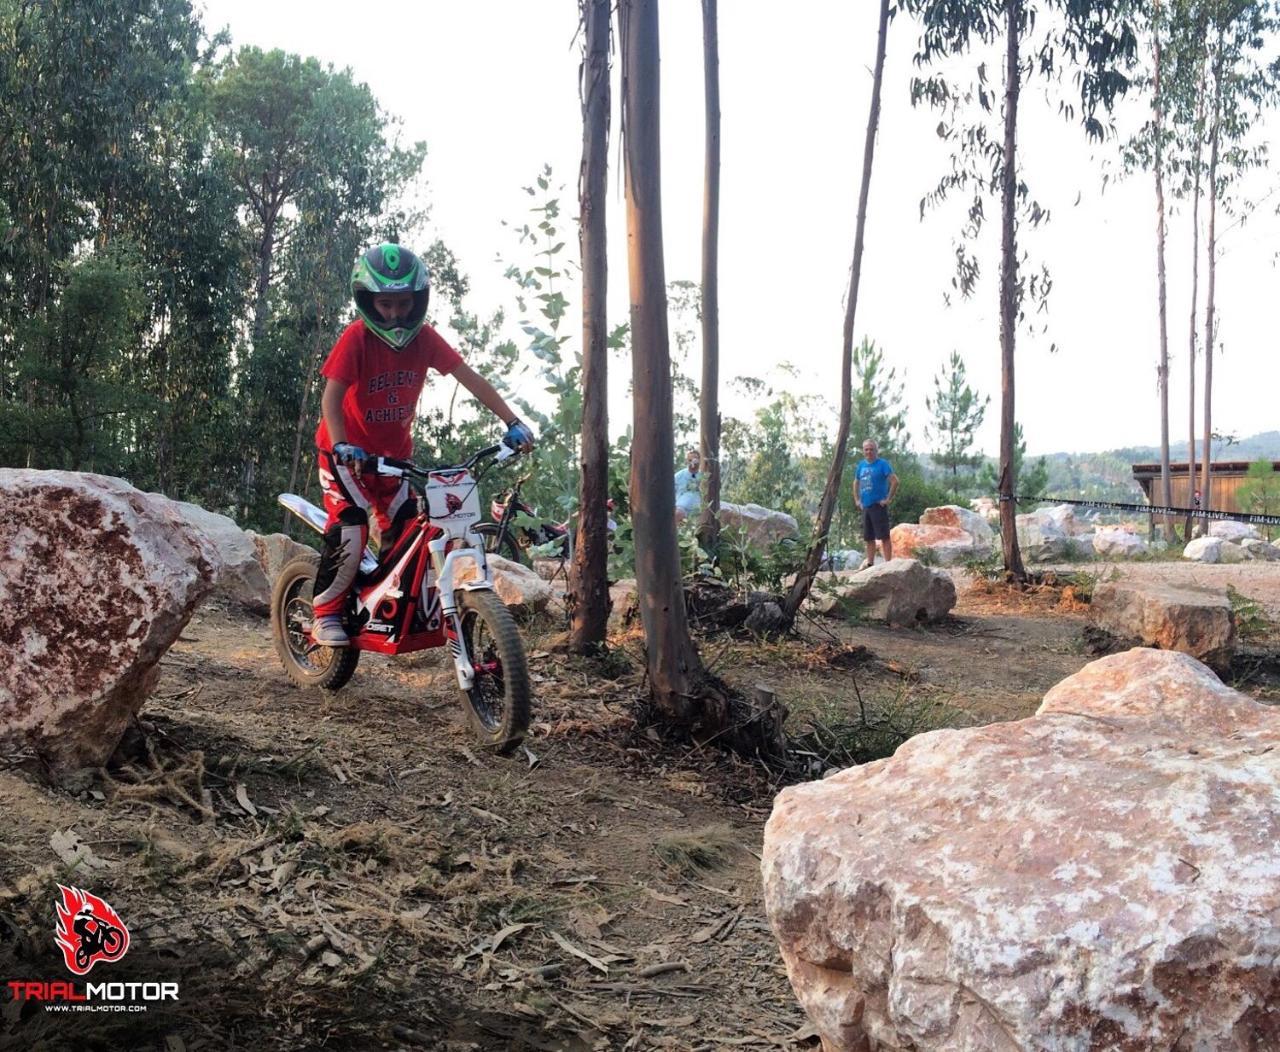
(1109, 475)
(1265, 445)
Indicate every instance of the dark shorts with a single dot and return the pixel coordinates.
(875, 523)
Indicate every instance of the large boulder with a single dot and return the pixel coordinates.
(761, 526)
(275, 551)
(987, 508)
(943, 545)
(901, 592)
(1259, 549)
(1118, 542)
(1230, 530)
(1230, 552)
(98, 581)
(517, 586)
(1194, 621)
(1042, 538)
(1100, 876)
(1204, 550)
(961, 519)
(242, 578)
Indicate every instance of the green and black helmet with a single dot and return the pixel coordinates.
(391, 268)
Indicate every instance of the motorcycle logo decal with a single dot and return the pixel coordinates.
(453, 502)
(450, 478)
(88, 930)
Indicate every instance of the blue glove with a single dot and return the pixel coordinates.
(346, 453)
(519, 436)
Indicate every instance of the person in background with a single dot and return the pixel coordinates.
(873, 491)
(688, 487)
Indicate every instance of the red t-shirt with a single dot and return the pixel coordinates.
(383, 386)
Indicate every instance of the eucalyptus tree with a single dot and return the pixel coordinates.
(676, 676)
(1245, 77)
(589, 579)
(1042, 37)
(709, 400)
(831, 492)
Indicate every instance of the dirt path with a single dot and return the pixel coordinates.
(347, 872)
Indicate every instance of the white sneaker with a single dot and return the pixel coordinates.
(866, 565)
(328, 632)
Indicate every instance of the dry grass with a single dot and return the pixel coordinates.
(698, 851)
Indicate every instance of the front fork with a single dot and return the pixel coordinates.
(443, 564)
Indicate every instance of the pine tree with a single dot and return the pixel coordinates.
(957, 414)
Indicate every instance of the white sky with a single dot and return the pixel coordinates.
(492, 87)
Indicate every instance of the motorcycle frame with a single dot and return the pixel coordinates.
(386, 601)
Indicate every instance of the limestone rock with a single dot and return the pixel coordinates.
(516, 585)
(1080, 546)
(901, 592)
(988, 509)
(241, 578)
(1261, 550)
(961, 519)
(275, 551)
(1118, 542)
(1230, 530)
(940, 545)
(841, 559)
(98, 581)
(1204, 550)
(761, 526)
(1042, 538)
(1194, 621)
(1100, 876)
(1230, 552)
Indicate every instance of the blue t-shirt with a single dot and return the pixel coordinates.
(873, 481)
(688, 493)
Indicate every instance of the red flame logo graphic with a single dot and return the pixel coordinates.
(453, 502)
(88, 930)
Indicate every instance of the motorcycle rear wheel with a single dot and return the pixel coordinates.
(495, 545)
(497, 705)
(306, 664)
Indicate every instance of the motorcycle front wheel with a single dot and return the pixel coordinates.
(306, 664)
(497, 705)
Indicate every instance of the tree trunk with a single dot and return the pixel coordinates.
(1206, 466)
(1162, 296)
(308, 378)
(589, 578)
(674, 669)
(1195, 292)
(835, 474)
(1009, 295)
(709, 523)
(265, 251)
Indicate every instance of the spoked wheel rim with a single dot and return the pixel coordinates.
(298, 620)
(488, 691)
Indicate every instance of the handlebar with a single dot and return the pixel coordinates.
(399, 468)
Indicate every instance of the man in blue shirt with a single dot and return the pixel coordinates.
(873, 491)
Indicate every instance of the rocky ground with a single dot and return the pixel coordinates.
(347, 872)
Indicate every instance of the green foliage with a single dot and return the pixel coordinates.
(957, 414)
(875, 411)
(747, 566)
(1251, 618)
(1030, 484)
(1260, 492)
